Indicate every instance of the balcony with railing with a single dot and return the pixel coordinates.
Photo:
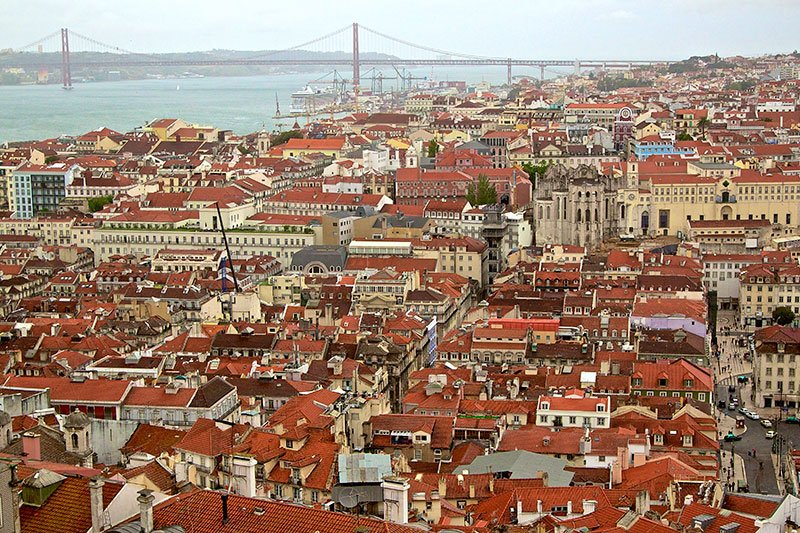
(726, 198)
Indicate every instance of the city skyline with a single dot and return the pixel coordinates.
(563, 30)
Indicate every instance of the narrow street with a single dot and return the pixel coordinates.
(754, 448)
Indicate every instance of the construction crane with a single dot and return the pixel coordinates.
(377, 80)
(406, 79)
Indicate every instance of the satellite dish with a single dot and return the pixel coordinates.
(348, 497)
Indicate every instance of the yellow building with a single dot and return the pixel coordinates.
(675, 200)
(646, 130)
(764, 287)
(163, 128)
(336, 147)
(664, 204)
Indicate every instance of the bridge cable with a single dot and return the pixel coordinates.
(296, 47)
(40, 41)
(111, 47)
(427, 48)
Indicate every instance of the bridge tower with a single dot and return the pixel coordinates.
(356, 58)
(508, 73)
(66, 74)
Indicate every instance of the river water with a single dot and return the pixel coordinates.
(241, 104)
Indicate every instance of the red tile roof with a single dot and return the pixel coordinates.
(67, 510)
(152, 440)
(201, 512)
(205, 438)
(752, 505)
(65, 390)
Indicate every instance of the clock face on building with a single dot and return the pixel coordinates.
(631, 196)
(625, 113)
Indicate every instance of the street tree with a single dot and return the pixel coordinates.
(482, 192)
(783, 315)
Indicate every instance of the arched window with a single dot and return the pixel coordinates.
(588, 215)
(578, 215)
(75, 441)
(88, 444)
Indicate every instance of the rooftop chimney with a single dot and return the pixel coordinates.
(442, 488)
(32, 446)
(224, 508)
(589, 506)
(145, 500)
(96, 502)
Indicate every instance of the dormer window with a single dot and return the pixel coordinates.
(601, 408)
(662, 382)
(781, 347)
(688, 383)
(546, 405)
(658, 438)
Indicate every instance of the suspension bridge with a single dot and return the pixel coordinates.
(353, 46)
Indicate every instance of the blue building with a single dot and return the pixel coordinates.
(661, 144)
(35, 189)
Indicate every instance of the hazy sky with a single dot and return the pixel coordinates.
(557, 29)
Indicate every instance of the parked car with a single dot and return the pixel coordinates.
(766, 423)
(770, 434)
(744, 410)
(721, 404)
(730, 437)
(751, 415)
(792, 420)
(731, 388)
(732, 406)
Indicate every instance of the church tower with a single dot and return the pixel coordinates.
(263, 143)
(411, 157)
(78, 433)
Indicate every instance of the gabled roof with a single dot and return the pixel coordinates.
(206, 438)
(152, 440)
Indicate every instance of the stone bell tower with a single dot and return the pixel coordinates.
(78, 434)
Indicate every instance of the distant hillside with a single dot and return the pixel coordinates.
(696, 63)
(31, 63)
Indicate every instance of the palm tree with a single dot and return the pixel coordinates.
(702, 123)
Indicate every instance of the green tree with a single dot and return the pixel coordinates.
(97, 203)
(535, 170)
(683, 136)
(702, 124)
(482, 193)
(284, 136)
(783, 315)
(433, 149)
